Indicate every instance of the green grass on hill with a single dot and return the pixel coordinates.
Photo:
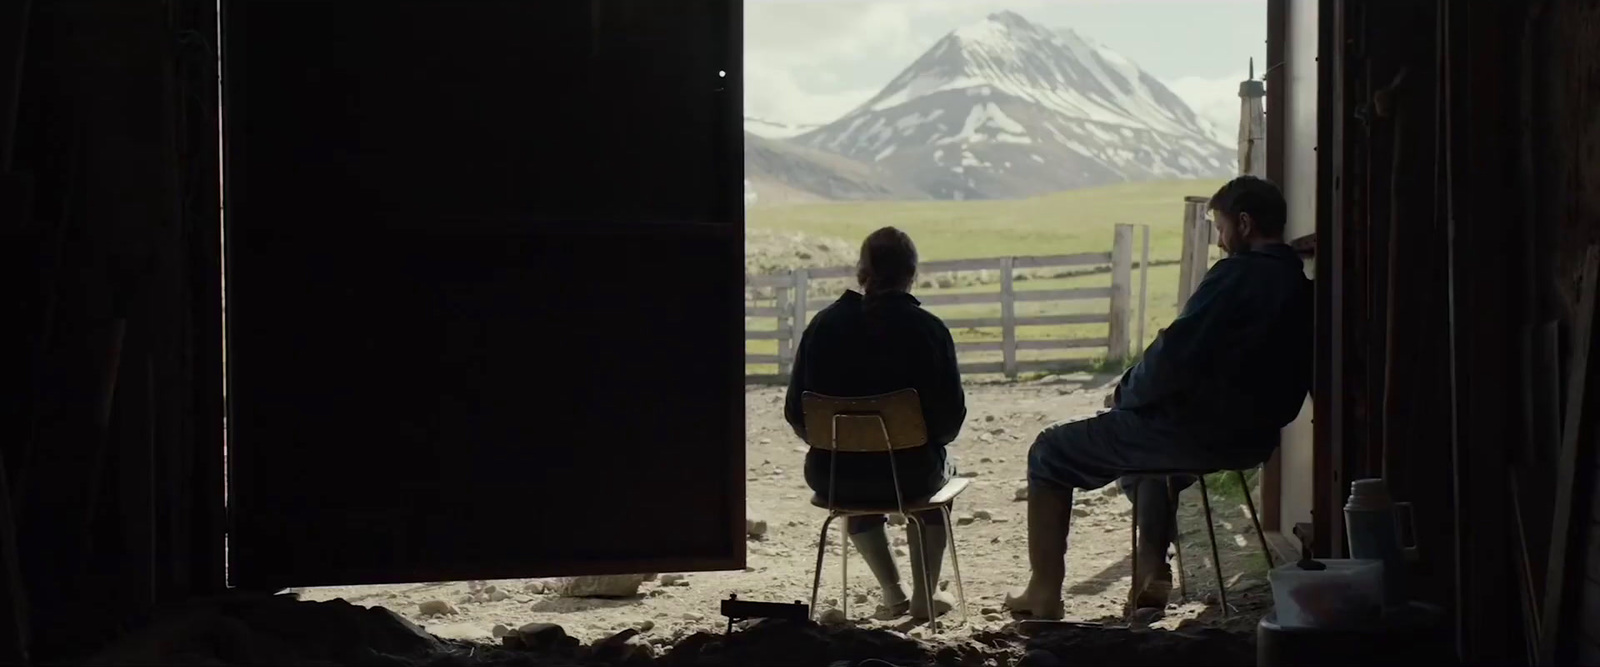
(1062, 223)
(1065, 222)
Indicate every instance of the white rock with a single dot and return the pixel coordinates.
(833, 617)
(436, 608)
(897, 520)
(982, 515)
(965, 520)
(674, 580)
(498, 596)
(499, 631)
(604, 586)
(754, 527)
(1022, 493)
(536, 587)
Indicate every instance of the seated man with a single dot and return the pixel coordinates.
(1211, 393)
(878, 341)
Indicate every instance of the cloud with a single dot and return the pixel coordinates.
(771, 92)
(1214, 99)
(811, 62)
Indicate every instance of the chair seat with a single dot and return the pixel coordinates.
(951, 489)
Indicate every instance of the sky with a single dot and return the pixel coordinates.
(810, 61)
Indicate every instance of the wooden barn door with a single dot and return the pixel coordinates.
(483, 264)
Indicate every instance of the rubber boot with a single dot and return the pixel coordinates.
(1158, 523)
(873, 545)
(930, 544)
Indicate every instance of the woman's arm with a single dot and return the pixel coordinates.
(793, 407)
(944, 403)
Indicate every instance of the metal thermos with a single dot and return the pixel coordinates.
(1372, 527)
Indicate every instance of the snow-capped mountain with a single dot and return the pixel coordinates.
(1008, 108)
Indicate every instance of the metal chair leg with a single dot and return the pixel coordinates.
(822, 548)
(955, 562)
(1216, 559)
(1134, 547)
(928, 585)
(844, 567)
(1250, 504)
(1177, 540)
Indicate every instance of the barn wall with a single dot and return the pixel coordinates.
(1567, 195)
(1299, 79)
(111, 427)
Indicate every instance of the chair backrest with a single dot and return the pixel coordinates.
(864, 421)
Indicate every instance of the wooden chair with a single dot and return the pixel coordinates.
(887, 423)
(1211, 533)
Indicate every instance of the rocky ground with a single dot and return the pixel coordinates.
(1002, 420)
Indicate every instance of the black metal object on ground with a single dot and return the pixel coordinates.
(739, 610)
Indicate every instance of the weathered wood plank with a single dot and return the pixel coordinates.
(769, 280)
(1049, 344)
(949, 265)
(1008, 317)
(959, 299)
(1035, 321)
(801, 317)
(1074, 294)
(786, 346)
(974, 322)
(1046, 365)
(1121, 291)
(1144, 290)
(1079, 259)
(1579, 421)
(1061, 343)
(1077, 318)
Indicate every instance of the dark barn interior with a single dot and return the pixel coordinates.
(445, 219)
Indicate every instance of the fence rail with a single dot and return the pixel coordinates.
(792, 307)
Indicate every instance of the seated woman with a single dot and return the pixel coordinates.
(872, 342)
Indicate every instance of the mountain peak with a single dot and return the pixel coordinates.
(1009, 18)
(1006, 107)
(1000, 27)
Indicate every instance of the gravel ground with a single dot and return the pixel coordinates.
(1002, 421)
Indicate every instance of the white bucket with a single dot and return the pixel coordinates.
(1348, 593)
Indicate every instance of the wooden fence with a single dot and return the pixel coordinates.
(787, 298)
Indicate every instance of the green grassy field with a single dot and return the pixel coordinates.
(1062, 223)
(1065, 222)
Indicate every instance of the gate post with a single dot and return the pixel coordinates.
(1121, 292)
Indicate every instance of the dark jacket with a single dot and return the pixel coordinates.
(865, 347)
(1235, 366)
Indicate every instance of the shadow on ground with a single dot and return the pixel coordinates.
(276, 630)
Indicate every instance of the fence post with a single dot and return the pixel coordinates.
(1121, 292)
(1196, 248)
(786, 332)
(1008, 318)
(1144, 289)
(802, 278)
